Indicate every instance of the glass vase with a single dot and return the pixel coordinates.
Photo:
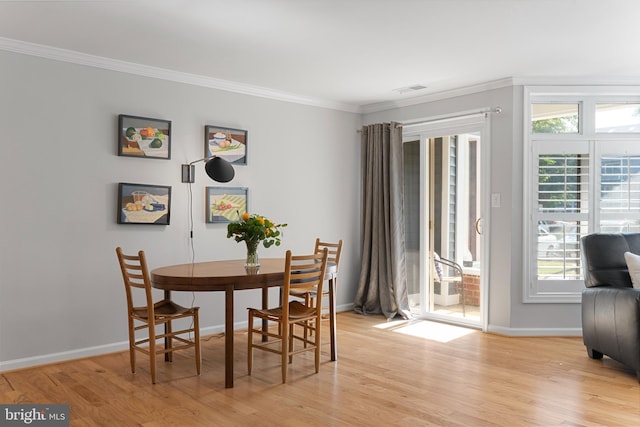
(252, 263)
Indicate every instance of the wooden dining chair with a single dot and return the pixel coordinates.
(301, 273)
(334, 250)
(144, 314)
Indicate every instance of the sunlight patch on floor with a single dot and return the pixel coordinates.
(434, 331)
(391, 324)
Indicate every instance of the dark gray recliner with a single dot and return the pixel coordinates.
(610, 304)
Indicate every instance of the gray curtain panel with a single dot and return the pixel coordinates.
(382, 287)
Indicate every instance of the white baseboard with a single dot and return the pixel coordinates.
(46, 359)
(535, 332)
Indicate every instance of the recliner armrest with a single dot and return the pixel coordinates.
(611, 323)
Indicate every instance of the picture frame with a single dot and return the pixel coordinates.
(144, 204)
(144, 137)
(225, 204)
(227, 143)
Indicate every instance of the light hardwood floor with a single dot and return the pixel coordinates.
(386, 375)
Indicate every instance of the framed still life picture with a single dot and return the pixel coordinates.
(144, 137)
(230, 144)
(144, 204)
(225, 204)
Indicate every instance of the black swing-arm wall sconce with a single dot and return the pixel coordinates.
(216, 167)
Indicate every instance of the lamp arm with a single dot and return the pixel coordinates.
(201, 160)
(188, 170)
(217, 168)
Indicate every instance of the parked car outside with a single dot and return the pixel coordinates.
(548, 245)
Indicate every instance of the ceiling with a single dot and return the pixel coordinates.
(352, 53)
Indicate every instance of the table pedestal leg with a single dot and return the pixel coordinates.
(332, 319)
(167, 356)
(228, 337)
(265, 306)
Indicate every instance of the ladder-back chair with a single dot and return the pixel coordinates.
(145, 314)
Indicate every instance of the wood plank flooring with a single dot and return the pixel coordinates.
(387, 374)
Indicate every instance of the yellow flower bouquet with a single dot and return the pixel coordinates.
(253, 229)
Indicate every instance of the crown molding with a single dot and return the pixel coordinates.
(437, 96)
(74, 57)
(590, 82)
(621, 84)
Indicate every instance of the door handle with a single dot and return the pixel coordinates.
(478, 228)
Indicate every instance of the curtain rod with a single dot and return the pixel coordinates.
(444, 118)
(472, 113)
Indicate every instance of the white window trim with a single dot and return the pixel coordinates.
(587, 97)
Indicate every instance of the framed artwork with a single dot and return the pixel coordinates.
(144, 204)
(225, 204)
(230, 144)
(144, 137)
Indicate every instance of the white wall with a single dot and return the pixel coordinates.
(61, 293)
(507, 313)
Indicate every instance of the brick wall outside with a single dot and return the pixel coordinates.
(471, 289)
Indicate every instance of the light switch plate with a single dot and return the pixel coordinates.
(495, 200)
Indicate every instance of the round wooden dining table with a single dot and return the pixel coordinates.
(230, 276)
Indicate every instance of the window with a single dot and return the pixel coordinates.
(583, 169)
(620, 190)
(554, 118)
(618, 118)
(562, 214)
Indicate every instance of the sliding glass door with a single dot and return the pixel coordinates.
(444, 220)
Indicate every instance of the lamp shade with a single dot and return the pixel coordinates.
(219, 169)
